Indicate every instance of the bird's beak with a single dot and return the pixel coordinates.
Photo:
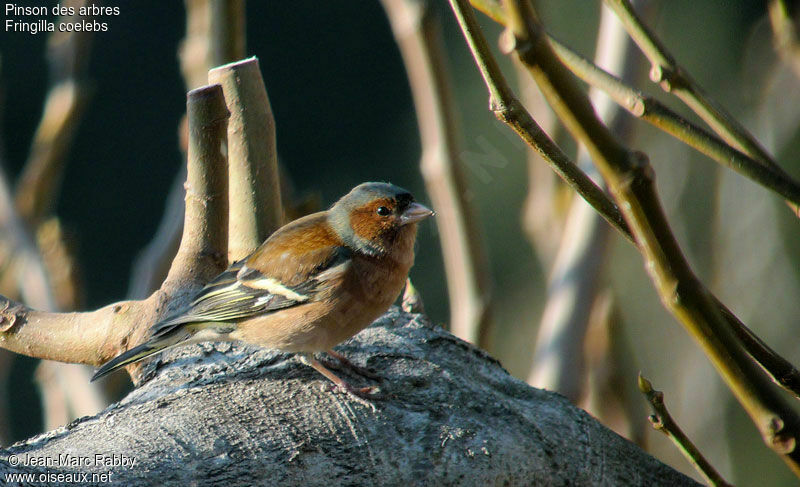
(414, 213)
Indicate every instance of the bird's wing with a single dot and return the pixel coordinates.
(241, 291)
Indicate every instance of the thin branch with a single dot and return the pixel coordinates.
(749, 164)
(255, 194)
(652, 111)
(418, 35)
(662, 421)
(509, 110)
(630, 178)
(674, 79)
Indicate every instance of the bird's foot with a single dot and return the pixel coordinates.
(362, 395)
(345, 362)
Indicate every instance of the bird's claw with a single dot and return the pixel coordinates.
(344, 362)
(362, 395)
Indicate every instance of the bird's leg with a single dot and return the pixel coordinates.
(359, 393)
(363, 371)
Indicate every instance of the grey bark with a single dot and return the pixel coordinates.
(225, 414)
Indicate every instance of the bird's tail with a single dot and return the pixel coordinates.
(150, 347)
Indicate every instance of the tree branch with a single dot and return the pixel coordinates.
(510, 111)
(674, 79)
(654, 112)
(205, 224)
(662, 421)
(748, 163)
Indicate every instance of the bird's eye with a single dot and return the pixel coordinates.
(383, 211)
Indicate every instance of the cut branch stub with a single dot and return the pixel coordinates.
(255, 198)
(204, 245)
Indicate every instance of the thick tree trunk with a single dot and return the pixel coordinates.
(222, 414)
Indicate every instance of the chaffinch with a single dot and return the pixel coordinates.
(312, 284)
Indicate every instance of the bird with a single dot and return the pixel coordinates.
(312, 284)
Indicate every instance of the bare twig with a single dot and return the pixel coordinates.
(417, 32)
(662, 421)
(749, 163)
(674, 79)
(652, 111)
(509, 110)
(255, 195)
(630, 179)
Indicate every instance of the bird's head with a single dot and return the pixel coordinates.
(375, 217)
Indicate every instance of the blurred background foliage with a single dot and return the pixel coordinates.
(344, 115)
